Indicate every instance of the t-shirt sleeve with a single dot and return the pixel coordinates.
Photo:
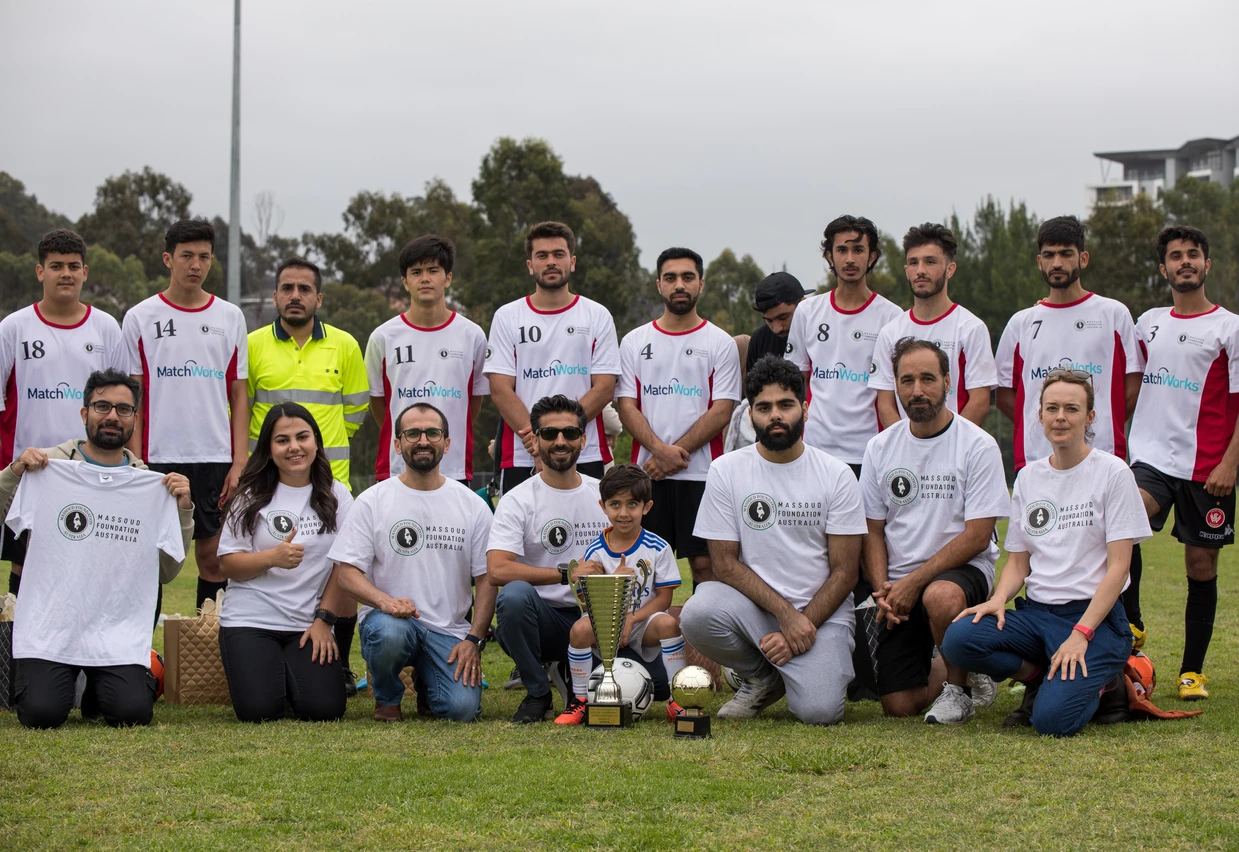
(666, 571)
(1125, 514)
(1004, 359)
(980, 368)
(481, 384)
(871, 490)
(727, 369)
(507, 528)
(231, 538)
(716, 519)
(241, 340)
(1017, 542)
(131, 340)
(626, 386)
(798, 339)
(606, 360)
(1129, 339)
(7, 364)
(170, 541)
(29, 492)
(844, 514)
(1232, 350)
(354, 544)
(375, 363)
(884, 378)
(501, 350)
(118, 358)
(482, 520)
(985, 492)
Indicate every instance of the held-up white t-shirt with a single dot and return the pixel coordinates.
(545, 526)
(91, 577)
(781, 515)
(420, 545)
(281, 598)
(925, 489)
(1064, 519)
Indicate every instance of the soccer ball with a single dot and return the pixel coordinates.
(635, 683)
(157, 671)
(732, 679)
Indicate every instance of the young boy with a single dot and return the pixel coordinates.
(626, 548)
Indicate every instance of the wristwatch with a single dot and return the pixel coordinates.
(481, 643)
(329, 618)
(563, 574)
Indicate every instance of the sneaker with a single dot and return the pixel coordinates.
(574, 713)
(1137, 638)
(673, 709)
(533, 709)
(514, 680)
(1021, 717)
(754, 695)
(1192, 686)
(952, 707)
(557, 674)
(984, 690)
(350, 684)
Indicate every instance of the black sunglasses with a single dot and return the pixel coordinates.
(550, 433)
(1061, 372)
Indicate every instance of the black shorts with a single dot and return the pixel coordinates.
(906, 652)
(206, 484)
(510, 477)
(1200, 519)
(675, 514)
(13, 547)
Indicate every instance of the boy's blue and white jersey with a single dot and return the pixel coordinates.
(651, 559)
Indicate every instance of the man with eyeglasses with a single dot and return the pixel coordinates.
(408, 551)
(540, 526)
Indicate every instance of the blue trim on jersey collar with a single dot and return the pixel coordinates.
(318, 333)
(81, 448)
(644, 538)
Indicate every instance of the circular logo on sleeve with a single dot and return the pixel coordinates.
(1040, 517)
(904, 486)
(76, 522)
(1215, 518)
(406, 537)
(556, 535)
(280, 523)
(758, 511)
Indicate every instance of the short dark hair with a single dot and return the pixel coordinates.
(429, 247)
(61, 241)
(770, 369)
(549, 231)
(931, 233)
(1180, 232)
(626, 477)
(557, 404)
(111, 377)
(843, 225)
(679, 253)
(300, 263)
(421, 406)
(1061, 231)
(914, 344)
(196, 230)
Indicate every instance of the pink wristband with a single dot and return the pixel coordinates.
(1087, 631)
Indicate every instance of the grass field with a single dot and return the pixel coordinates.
(198, 779)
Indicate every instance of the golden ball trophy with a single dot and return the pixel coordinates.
(692, 688)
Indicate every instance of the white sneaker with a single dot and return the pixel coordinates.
(984, 690)
(952, 707)
(555, 673)
(754, 695)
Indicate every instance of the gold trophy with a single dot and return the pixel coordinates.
(607, 598)
(692, 688)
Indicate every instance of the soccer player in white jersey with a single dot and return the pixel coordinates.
(407, 551)
(429, 353)
(933, 487)
(1184, 446)
(929, 263)
(47, 352)
(784, 522)
(1074, 518)
(190, 351)
(551, 342)
(1073, 329)
(679, 381)
(540, 526)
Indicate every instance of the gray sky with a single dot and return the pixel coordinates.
(713, 124)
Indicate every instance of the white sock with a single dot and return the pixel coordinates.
(673, 655)
(580, 663)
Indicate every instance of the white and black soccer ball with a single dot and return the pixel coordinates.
(636, 685)
(731, 678)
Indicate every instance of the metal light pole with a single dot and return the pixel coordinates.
(234, 211)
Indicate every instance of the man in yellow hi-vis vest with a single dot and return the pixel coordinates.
(299, 358)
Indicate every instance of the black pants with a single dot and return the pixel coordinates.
(123, 695)
(266, 672)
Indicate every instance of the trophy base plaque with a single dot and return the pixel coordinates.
(608, 715)
(692, 724)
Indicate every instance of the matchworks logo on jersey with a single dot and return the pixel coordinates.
(840, 372)
(758, 511)
(1066, 364)
(430, 390)
(673, 388)
(190, 370)
(556, 368)
(76, 522)
(1166, 379)
(63, 390)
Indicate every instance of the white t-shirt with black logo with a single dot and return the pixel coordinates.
(91, 577)
(781, 515)
(420, 545)
(925, 489)
(1064, 519)
(546, 526)
(280, 598)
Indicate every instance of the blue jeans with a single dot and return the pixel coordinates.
(1034, 632)
(389, 644)
(532, 633)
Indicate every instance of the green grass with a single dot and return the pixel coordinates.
(198, 779)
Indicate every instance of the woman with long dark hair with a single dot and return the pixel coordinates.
(275, 625)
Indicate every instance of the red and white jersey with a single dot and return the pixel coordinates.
(1189, 394)
(675, 378)
(43, 371)
(835, 347)
(553, 352)
(188, 360)
(960, 334)
(1094, 334)
(442, 366)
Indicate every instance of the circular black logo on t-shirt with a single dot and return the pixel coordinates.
(442, 353)
(205, 329)
(904, 486)
(571, 329)
(1079, 324)
(406, 537)
(76, 522)
(1040, 517)
(280, 523)
(857, 335)
(556, 535)
(90, 347)
(758, 511)
(1183, 338)
(791, 347)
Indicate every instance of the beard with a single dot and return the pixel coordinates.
(297, 321)
(683, 307)
(1188, 286)
(1072, 277)
(114, 439)
(779, 441)
(422, 463)
(564, 276)
(927, 412)
(557, 465)
(936, 284)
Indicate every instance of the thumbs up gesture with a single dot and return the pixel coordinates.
(286, 554)
(623, 568)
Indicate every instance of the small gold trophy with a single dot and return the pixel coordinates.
(607, 598)
(692, 688)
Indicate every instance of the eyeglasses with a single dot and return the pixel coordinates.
(570, 433)
(1062, 372)
(433, 435)
(104, 407)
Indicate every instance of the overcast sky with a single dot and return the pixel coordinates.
(712, 124)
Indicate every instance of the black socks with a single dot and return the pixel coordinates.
(207, 589)
(1131, 595)
(1198, 618)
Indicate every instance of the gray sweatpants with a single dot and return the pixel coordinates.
(727, 627)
